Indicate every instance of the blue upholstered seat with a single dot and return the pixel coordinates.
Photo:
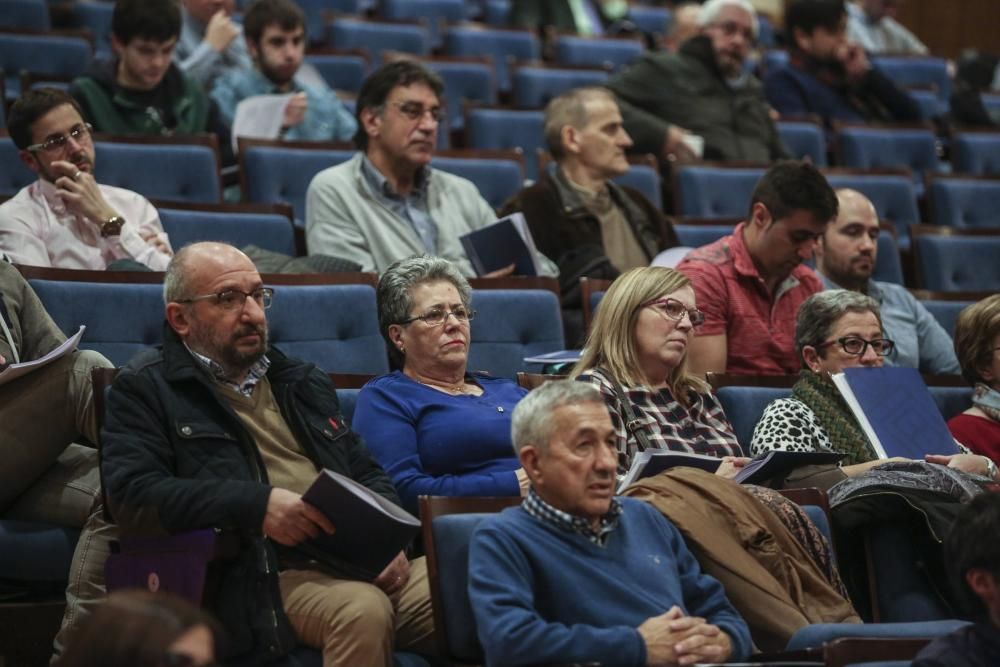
(888, 267)
(975, 152)
(917, 71)
(597, 52)
(511, 325)
(341, 71)
(744, 407)
(508, 129)
(820, 633)
(57, 55)
(183, 172)
(35, 553)
(435, 12)
(695, 236)
(945, 312)
(958, 263)
(880, 147)
(804, 139)
(464, 82)
(282, 173)
(646, 179)
(715, 192)
(892, 194)
(95, 16)
(353, 33)
(14, 174)
(501, 45)
(26, 14)
(534, 86)
(271, 231)
(951, 400)
(651, 20)
(496, 12)
(496, 178)
(962, 203)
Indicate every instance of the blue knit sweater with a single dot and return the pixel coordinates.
(541, 594)
(431, 443)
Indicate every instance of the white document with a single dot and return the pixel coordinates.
(260, 117)
(15, 371)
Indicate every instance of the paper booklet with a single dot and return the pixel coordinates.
(371, 530)
(15, 371)
(773, 464)
(506, 241)
(259, 117)
(896, 412)
(558, 357)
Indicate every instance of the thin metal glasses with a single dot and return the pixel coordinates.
(437, 316)
(676, 310)
(234, 299)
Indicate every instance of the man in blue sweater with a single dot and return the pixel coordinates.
(576, 574)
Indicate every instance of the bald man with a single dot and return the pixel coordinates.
(218, 429)
(845, 258)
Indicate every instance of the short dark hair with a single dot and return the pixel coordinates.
(155, 20)
(807, 15)
(284, 13)
(32, 105)
(966, 547)
(790, 186)
(376, 89)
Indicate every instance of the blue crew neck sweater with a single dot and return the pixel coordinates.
(541, 594)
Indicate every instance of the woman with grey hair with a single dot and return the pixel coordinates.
(434, 427)
(834, 330)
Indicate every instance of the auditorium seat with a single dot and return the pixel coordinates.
(496, 12)
(498, 175)
(466, 80)
(964, 201)
(887, 147)
(888, 267)
(651, 20)
(945, 306)
(47, 54)
(14, 175)
(435, 13)
(535, 85)
(644, 175)
(804, 139)
(267, 227)
(25, 14)
(917, 71)
(603, 52)
(507, 129)
(891, 192)
(950, 260)
(976, 152)
(714, 191)
(501, 45)
(378, 36)
(186, 168)
(342, 70)
(316, 12)
(695, 236)
(95, 16)
(511, 325)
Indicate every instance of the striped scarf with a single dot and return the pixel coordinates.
(832, 412)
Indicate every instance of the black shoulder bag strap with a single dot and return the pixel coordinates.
(632, 423)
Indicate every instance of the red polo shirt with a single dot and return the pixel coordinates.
(759, 328)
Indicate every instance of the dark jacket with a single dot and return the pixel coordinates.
(567, 232)
(802, 88)
(177, 458)
(687, 89)
(178, 106)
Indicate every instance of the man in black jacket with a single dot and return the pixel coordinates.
(214, 429)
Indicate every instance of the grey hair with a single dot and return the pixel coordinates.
(820, 313)
(531, 423)
(393, 292)
(710, 11)
(175, 279)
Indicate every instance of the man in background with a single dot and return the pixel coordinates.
(211, 42)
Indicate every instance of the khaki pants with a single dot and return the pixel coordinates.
(353, 622)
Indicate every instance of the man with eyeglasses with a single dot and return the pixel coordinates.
(387, 203)
(703, 89)
(276, 38)
(216, 428)
(845, 259)
(66, 219)
(751, 283)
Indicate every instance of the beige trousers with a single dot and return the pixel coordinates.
(354, 623)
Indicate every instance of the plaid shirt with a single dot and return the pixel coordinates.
(700, 429)
(541, 510)
(257, 371)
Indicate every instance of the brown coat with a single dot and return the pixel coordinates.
(768, 576)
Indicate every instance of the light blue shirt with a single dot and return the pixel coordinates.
(921, 342)
(413, 208)
(203, 63)
(326, 117)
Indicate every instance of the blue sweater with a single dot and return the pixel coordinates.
(435, 444)
(541, 594)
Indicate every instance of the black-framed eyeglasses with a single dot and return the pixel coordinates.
(78, 133)
(234, 299)
(676, 310)
(857, 346)
(416, 111)
(437, 316)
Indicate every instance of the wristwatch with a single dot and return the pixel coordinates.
(112, 226)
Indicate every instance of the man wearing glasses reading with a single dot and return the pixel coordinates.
(216, 429)
(387, 203)
(66, 219)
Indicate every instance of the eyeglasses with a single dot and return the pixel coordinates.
(437, 316)
(78, 133)
(731, 28)
(857, 346)
(234, 299)
(676, 310)
(416, 111)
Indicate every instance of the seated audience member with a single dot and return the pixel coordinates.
(845, 259)
(215, 428)
(585, 17)
(387, 202)
(872, 24)
(66, 219)
(211, 42)
(140, 91)
(977, 344)
(276, 37)
(46, 477)
(829, 76)
(418, 421)
(750, 284)
(973, 552)
(705, 89)
(137, 628)
(682, 26)
(836, 329)
(576, 574)
(591, 226)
